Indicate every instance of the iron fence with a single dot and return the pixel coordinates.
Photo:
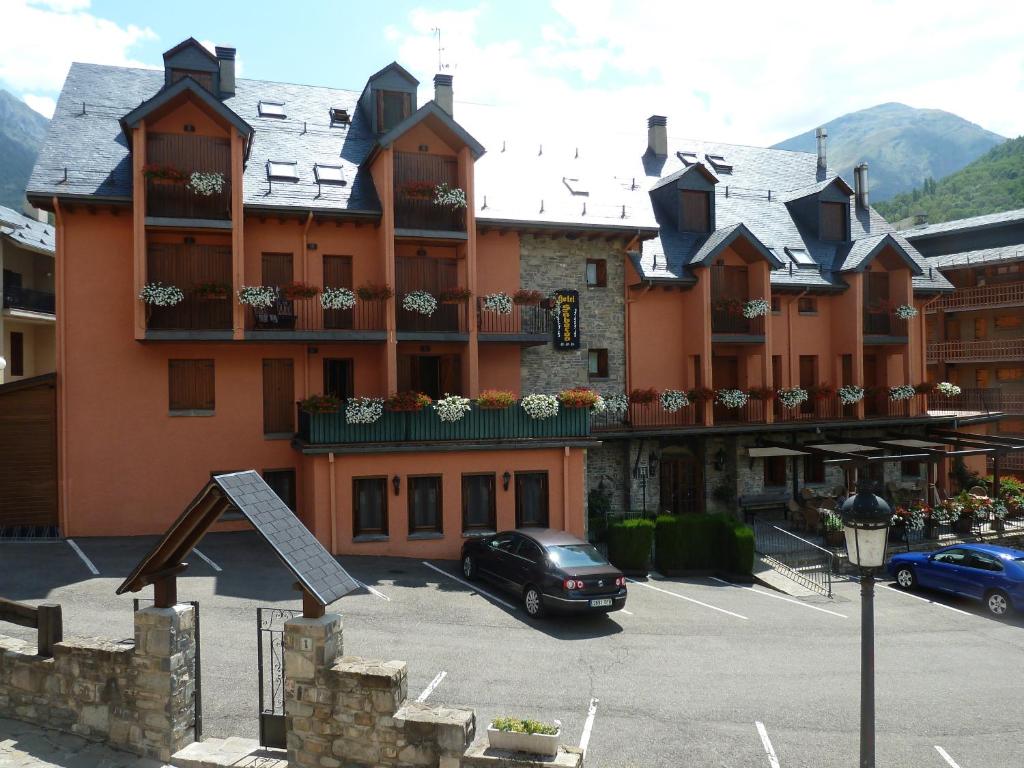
(798, 559)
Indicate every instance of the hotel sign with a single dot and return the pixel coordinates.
(567, 319)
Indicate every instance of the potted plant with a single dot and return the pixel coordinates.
(701, 394)
(832, 524)
(211, 291)
(762, 393)
(363, 410)
(159, 294)
(673, 400)
(528, 297)
(731, 398)
(578, 397)
(257, 296)
(519, 735)
(946, 389)
(320, 404)
(540, 406)
(374, 292)
(643, 396)
(297, 289)
(447, 196)
(499, 303)
(421, 302)
(495, 399)
(407, 401)
(337, 298)
(616, 404)
(454, 295)
(163, 174)
(205, 183)
(418, 190)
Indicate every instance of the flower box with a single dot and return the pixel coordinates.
(531, 743)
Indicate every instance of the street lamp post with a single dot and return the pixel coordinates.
(866, 519)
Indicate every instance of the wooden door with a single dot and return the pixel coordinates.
(338, 274)
(681, 485)
(278, 396)
(28, 454)
(277, 269)
(423, 273)
(338, 377)
(808, 379)
(872, 405)
(450, 375)
(725, 372)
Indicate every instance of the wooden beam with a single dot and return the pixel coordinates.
(50, 629)
(18, 613)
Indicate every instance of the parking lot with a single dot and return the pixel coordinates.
(695, 672)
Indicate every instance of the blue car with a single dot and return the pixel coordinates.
(994, 575)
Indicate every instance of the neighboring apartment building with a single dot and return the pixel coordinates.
(27, 322)
(659, 247)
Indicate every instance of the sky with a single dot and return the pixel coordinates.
(741, 72)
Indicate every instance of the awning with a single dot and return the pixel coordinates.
(915, 444)
(764, 453)
(844, 447)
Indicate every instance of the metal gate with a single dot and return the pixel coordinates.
(198, 695)
(270, 660)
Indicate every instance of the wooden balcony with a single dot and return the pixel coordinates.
(751, 413)
(980, 400)
(978, 351)
(826, 409)
(526, 324)
(192, 318)
(307, 320)
(644, 416)
(729, 321)
(416, 176)
(168, 199)
(980, 297)
(884, 324)
(202, 315)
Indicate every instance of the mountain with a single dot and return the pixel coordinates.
(992, 183)
(902, 146)
(22, 131)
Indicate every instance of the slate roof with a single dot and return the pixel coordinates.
(960, 225)
(1003, 254)
(26, 232)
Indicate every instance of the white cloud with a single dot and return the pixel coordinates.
(44, 105)
(43, 37)
(731, 70)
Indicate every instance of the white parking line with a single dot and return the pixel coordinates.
(780, 597)
(207, 560)
(471, 586)
(623, 610)
(773, 760)
(588, 726)
(433, 684)
(688, 599)
(88, 563)
(926, 600)
(373, 591)
(945, 756)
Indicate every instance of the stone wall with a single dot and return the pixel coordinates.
(136, 698)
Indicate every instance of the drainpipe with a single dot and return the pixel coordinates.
(789, 333)
(334, 504)
(565, 489)
(62, 373)
(305, 278)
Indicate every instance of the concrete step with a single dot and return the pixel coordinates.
(233, 751)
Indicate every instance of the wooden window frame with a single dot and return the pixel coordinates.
(195, 408)
(410, 496)
(492, 517)
(406, 108)
(844, 213)
(357, 531)
(601, 273)
(602, 363)
(292, 502)
(547, 498)
(688, 223)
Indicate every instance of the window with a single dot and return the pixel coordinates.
(800, 257)
(777, 371)
(597, 363)
(282, 170)
(478, 505)
(425, 504)
(954, 556)
(718, 162)
(272, 109)
(329, 174)
(278, 396)
(282, 482)
(190, 386)
(597, 273)
(340, 115)
(392, 108)
(529, 551)
(205, 79)
(696, 211)
(833, 221)
(981, 378)
(814, 469)
(776, 305)
(17, 353)
(687, 158)
(807, 305)
(369, 506)
(531, 499)
(774, 471)
(1009, 374)
(338, 377)
(983, 561)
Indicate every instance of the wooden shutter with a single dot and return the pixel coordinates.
(696, 211)
(808, 371)
(450, 377)
(191, 385)
(277, 269)
(532, 499)
(833, 221)
(777, 371)
(338, 274)
(847, 365)
(278, 396)
(724, 372)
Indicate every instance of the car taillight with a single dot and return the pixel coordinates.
(570, 584)
(620, 582)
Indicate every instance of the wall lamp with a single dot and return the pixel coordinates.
(719, 460)
(505, 479)
(396, 483)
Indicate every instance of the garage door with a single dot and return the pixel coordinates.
(28, 456)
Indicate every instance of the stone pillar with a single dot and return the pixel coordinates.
(310, 649)
(163, 679)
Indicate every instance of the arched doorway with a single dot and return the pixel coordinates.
(682, 481)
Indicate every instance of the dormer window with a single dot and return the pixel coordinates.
(272, 109)
(719, 163)
(695, 213)
(687, 158)
(205, 79)
(392, 108)
(800, 257)
(833, 221)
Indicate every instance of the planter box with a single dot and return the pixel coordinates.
(531, 743)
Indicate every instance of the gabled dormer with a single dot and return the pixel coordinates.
(389, 97)
(824, 209)
(190, 59)
(688, 198)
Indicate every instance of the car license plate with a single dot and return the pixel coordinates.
(603, 602)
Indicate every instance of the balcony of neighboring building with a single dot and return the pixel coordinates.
(427, 197)
(431, 302)
(26, 303)
(512, 321)
(188, 180)
(884, 322)
(975, 351)
(980, 297)
(731, 305)
(202, 275)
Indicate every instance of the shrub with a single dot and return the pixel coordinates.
(629, 543)
(704, 542)
(407, 401)
(370, 291)
(578, 397)
(494, 399)
(320, 404)
(519, 725)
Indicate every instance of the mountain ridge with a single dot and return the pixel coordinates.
(22, 132)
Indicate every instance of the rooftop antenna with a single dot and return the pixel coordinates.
(441, 66)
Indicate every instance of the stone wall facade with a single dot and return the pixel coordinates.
(136, 698)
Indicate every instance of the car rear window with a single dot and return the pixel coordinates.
(576, 556)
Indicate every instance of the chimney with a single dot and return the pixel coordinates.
(226, 57)
(443, 93)
(920, 219)
(860, 184)
(821, 134)
(657, 135)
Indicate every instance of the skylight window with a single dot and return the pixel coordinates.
(340, 116)
(278, 170)
(688, 158)
(576, 186)
(718, 162)
(272, 109)
(329, 174)
(800, 257)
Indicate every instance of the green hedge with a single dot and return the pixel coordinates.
(629, 544)
(704, 542)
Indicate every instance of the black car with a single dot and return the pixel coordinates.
(551, 570)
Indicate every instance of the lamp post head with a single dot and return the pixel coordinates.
(866, 519)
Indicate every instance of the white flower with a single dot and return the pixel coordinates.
(947, 389)
(617, 404)
(419, 301)
(363, 410)
(906, 312)
(540, 406)
(599, 405)
(452, 407)
(792, 397)
(160, 295)
(258, 296)
(731, 398)
(673, 400)
(337, 298)
(901, 392)
(500, 303)
(756, 308)
(206, 184)
(850, 394)
(449, 197)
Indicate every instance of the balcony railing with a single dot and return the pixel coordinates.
(174, 200)
(980, 297)
(751, 413)
(196, 313)
(979, 400)
(189, 266)
(511, 423)
(879, 406)
(884, 322)
(416, 177)
(187, 153)
(979, 350)
(447, 318)
(28, 299)
(302, 315)
(524, 320)
(730, 320)
(827, 409)
(648, 416)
